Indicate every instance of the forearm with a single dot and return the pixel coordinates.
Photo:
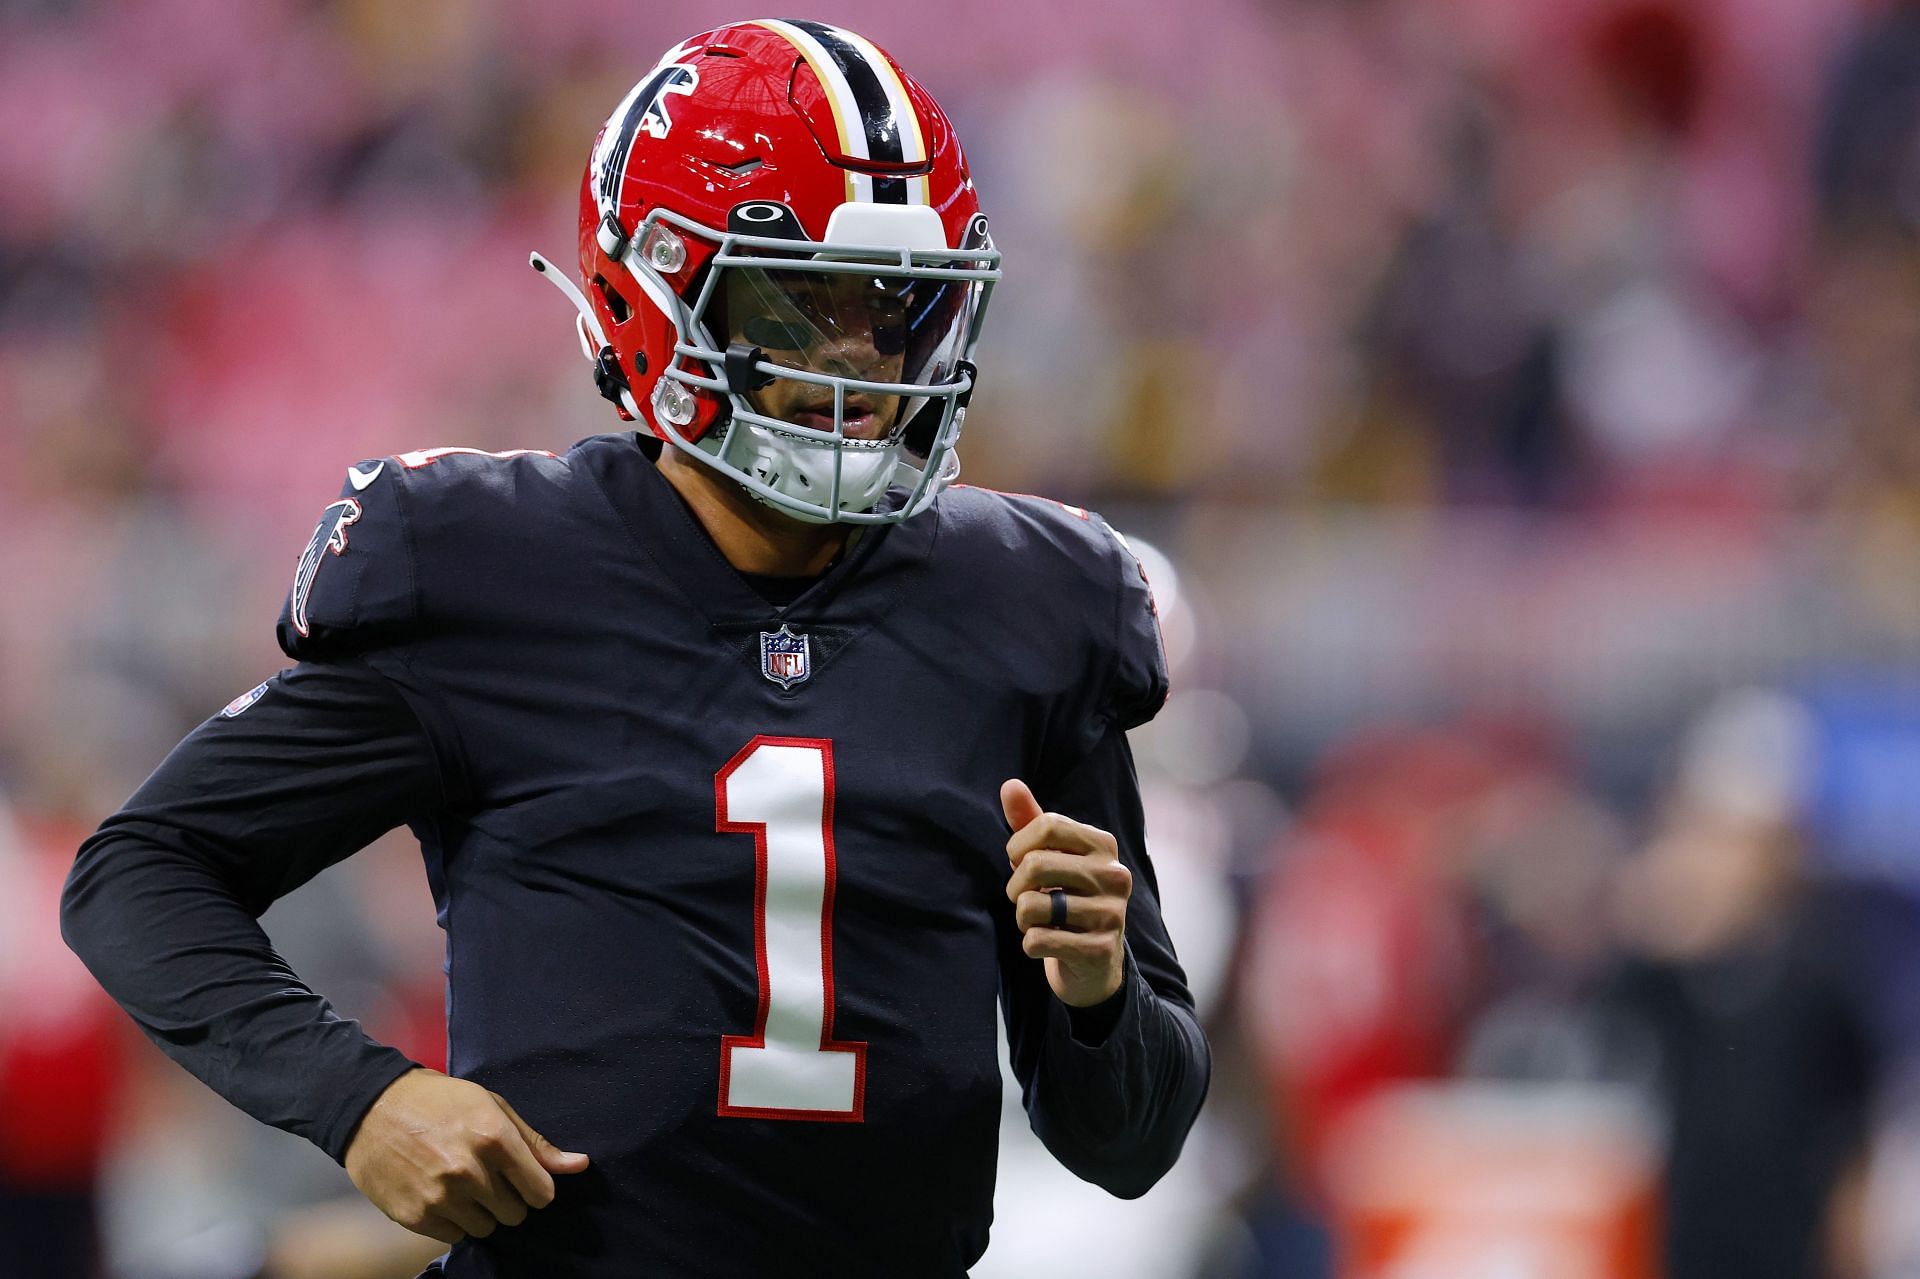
(1117, 1111)
(162, 900)
(1112, 1090)
(173, 944)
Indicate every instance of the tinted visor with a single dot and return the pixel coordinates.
(875, 326)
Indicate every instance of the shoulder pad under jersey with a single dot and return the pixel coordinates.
(1089, 574)
(357, 584)
(1138, 685)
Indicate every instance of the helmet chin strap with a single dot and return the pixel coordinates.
(603, 377)
(811, 473)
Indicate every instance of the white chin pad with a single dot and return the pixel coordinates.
(887, 226)
(805, 471)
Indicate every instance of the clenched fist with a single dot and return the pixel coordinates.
(1085, 951)
(447, 1159)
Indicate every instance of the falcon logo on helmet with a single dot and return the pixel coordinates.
(643, 110)
(654, 121)
(786, 268)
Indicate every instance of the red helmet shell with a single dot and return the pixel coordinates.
(794, 113)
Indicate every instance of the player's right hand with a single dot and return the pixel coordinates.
(447, 1159)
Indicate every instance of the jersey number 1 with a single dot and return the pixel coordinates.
(780, 791)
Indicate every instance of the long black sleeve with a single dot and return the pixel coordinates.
(1111, 1091)
(163, 900)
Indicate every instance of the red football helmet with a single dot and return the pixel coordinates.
(786, 268)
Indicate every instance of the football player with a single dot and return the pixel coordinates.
(713, 733)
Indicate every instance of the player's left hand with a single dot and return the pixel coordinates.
(1086, 958)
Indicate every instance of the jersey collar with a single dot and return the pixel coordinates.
(858, 590)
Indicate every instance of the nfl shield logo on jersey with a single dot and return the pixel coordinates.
(785, 658)
(245, 700)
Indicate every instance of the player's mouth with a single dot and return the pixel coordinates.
(862, 422)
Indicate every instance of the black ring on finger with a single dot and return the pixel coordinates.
(1059, 918)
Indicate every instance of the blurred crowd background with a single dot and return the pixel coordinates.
(1518, 404)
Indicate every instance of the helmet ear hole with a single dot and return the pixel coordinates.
(615, 303)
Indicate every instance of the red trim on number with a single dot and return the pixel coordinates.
(759, 1037)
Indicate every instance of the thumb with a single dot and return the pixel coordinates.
(551, 1157)
(1018, 803)
(554, 1159)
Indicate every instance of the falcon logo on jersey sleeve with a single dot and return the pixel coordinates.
(329, 535)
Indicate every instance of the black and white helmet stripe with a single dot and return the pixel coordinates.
(876, 119)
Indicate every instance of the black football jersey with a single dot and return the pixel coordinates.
(723, 882)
